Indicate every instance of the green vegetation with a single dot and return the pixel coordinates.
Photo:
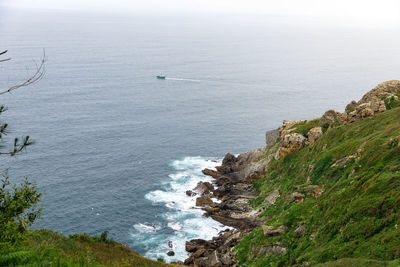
(305, 126)
(355, 219)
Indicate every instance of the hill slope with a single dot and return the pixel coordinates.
(47, 248)
(338, 198)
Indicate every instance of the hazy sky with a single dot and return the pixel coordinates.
(374, 12)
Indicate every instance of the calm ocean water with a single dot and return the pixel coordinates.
(116, 148)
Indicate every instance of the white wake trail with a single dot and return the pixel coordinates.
(182, 79)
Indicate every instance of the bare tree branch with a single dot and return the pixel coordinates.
(37, 76)
(7, 59)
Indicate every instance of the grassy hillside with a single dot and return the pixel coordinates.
(356, 219)
(47, 248)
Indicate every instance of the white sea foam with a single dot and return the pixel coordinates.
(144, 228)
(175, 226)
(183, 219)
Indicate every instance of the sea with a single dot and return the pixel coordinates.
(116, 148)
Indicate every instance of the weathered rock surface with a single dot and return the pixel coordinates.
(272, 197)
(245, 166)
(215, 252)
(204, 201)
(190, 193)
(314, 190)
(314, 134)
(370, 104)
(272, 231)
(271, 137)
(204, 188)
(170, 253)
(300, 230)
(290, 143)
(234, 192)
(295, 196)
(343, 161)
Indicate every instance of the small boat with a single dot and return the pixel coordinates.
(161, 77)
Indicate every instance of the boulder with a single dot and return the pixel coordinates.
(314, 134)
(170, 253)
(272, 197)
(212, 173)
(190, 193)
(300, 230)
(272, 231)
(287, 127)
(204, 201)
(228, 164)
(214, 259)
(246, 166)
(314, 190)
(351, 106)
(196, 244)
(330, 117)
(226, 259)
(290, 143)
(204, 188)
(271, 137)
(343, 161)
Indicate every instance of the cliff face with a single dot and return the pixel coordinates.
(325, 190)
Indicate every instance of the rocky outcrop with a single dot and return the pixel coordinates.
(204, 201)
(343, 161)
(290, 143)
(271, 137)
(314, 134)
(313, 190)
(245, 167)
(272, 197)
(370, 104)
(204, 188)
(215, 252)
(295, 196)
(273, 231)
(234, 190)
(300, 230)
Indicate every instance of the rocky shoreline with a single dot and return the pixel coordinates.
(233, 189)
(232, 185)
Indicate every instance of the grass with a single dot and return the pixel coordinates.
(48, 248)
(356, 221)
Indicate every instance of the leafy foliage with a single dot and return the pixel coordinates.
(18, 210)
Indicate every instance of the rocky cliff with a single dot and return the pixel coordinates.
(282, 200)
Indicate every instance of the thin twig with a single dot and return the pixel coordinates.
(37, 76)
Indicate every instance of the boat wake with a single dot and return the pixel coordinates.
(182, 221)
(182, 79)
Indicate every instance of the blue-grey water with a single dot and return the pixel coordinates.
(116, 148)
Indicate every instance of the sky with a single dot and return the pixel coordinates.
(370, 12)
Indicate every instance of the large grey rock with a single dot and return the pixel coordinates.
(214, 259)
(300, 230)
(330, 117)
(204, 188)
(271, 137)
(272, 197)
(204, 201)
(272, 231)
(314, 134)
